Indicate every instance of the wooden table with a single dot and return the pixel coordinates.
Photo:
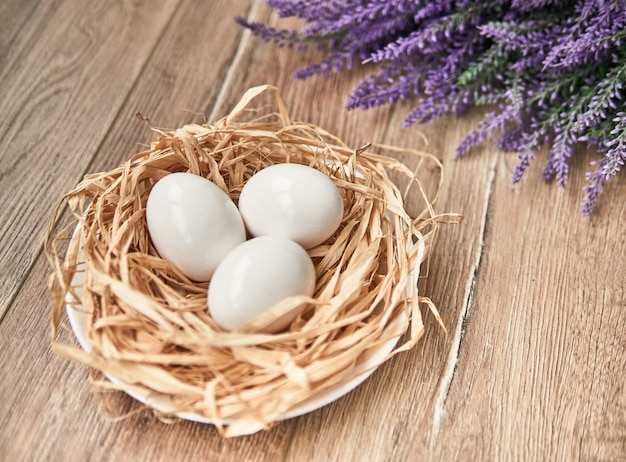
(533, 296)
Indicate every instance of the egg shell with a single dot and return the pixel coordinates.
(255, 276)
(193, 223)
(293, 201)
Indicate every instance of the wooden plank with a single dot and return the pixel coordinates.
(14, 15)
(540, 371)
(398, 402)
(62, 85)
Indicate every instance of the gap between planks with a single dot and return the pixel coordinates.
(466, 312)
(234, 64)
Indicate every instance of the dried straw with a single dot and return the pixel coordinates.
(147, 324)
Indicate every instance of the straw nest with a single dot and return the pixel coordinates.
(147, 325)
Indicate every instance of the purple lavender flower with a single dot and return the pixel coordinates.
(493, 122)
(554, 69)
(613, 160)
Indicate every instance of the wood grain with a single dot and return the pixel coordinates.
(62, 85)
(532, 295)
(541, 364)
(19, 12)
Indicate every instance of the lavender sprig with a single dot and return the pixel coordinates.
(553, 69)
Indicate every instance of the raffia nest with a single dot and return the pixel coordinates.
(147, 325)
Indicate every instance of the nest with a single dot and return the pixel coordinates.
(146, 326)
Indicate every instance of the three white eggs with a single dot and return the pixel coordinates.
(285, 208)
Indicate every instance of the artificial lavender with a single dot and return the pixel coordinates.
(552, 69)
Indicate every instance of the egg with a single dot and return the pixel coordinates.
(255, 276)
(293, 201)
(193, 223)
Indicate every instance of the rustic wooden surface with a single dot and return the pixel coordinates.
(534, 297)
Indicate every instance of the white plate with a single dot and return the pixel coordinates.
(163, 403)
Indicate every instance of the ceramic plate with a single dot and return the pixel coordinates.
(163, 403)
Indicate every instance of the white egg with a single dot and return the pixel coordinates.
(193, 223)
(293, 201)
(255, 276)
